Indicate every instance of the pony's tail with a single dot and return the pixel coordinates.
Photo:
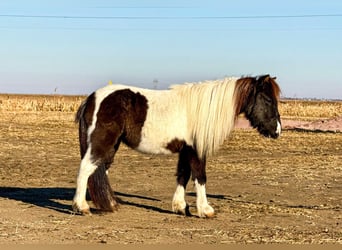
(82, 128)
(101, 192)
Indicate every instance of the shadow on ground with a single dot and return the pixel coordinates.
(50, 198)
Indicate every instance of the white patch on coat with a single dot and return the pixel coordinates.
(86, 169)
(278, 131)
(178, 202)
(165, 121)
(203, 207)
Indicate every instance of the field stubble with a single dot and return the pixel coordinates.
(264, 191)
(298, 109)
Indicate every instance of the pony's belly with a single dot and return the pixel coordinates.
(152, 147)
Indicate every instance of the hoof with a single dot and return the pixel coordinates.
(206, 212)
(78, 210)
(181, 210)
(210, 215)
(179, 205)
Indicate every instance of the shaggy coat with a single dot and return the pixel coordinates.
(191, 119)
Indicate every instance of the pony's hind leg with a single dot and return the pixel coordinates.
(99, 187)
(86, 169)
(104, 143)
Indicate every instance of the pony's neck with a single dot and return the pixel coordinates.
(211, 113)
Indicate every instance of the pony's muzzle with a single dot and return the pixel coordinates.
(272, 132)
(277, 132)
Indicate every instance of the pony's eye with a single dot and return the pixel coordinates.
(267, 99)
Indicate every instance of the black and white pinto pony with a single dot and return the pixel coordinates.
(191, 119)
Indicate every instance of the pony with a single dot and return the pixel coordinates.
(191, 119)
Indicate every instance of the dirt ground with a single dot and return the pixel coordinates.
(263, 191)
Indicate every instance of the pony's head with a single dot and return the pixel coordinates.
(260, 104)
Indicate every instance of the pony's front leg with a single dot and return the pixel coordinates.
(179, 205)
(87, 168)
(203, 207)
(188, 163)
(200, 178)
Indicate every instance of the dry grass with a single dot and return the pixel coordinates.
(307, 110)
(36, 103)
(293, 109)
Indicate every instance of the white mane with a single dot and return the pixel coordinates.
(210, 112)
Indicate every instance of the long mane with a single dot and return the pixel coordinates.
(210, 110)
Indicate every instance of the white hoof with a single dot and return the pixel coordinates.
(206, 211)
(179, 207)
(84, 209)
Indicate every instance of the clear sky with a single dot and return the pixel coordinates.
(77, 46)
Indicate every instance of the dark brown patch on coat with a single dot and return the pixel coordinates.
(175, 145)
(138, 107)
(243, 89)
(190, 164)
(120, 117)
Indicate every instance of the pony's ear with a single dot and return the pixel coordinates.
(269, 82)
(263, 78)
(268, 77)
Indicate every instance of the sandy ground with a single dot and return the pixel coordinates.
(263, 191)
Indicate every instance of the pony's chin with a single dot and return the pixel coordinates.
(274, 135)
(268, 134)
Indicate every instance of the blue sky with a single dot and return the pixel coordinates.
(75, 47)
